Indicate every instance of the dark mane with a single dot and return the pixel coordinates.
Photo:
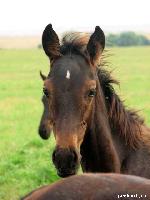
(75, 43)
(126, 122)
(75, 40)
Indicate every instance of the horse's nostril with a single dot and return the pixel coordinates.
(43, 131)
(65, 160)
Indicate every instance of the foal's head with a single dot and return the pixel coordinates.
(71, 89)
(45, 125)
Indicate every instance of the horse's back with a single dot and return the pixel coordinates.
(93, 187)
(138, 160)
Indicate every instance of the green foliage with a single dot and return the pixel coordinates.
(25, 159)
(126, 39)
(111, 40)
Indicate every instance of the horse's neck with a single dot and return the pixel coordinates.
(98, 150)
(90, 157)
(125, 123)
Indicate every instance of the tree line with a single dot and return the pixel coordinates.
(126, 39)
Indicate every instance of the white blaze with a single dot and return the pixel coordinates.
(68, 74)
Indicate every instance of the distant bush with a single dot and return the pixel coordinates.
(126, 39)
(112, 40)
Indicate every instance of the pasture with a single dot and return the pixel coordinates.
(25, 159)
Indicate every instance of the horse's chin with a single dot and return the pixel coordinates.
(65, 175)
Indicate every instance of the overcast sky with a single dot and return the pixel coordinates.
(21, 17)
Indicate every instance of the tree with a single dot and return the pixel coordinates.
(112, 40)
(126, 39)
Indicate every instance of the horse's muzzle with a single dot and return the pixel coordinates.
(44, 132)
(66, 161)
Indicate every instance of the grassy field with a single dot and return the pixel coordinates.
(25, 159)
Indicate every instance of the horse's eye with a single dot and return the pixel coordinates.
(45, 91)
(92, 93)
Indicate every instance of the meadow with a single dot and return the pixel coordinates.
(25, 159)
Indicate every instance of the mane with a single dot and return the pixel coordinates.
(75, 43)
(126, 122)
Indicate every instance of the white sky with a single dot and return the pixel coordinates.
(21, 17)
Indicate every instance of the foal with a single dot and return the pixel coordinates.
(76, 105)
(45, 127)
(84, 107)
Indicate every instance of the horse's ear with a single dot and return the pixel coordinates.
(50, 42)
(43, 77)
(96, 45)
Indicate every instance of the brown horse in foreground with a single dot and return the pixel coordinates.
(94, 187)
(90, 123)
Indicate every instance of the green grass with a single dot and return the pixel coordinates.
(131, 66)
(25, 159)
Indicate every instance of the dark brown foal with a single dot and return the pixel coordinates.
(91, 125)
(45, 126)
